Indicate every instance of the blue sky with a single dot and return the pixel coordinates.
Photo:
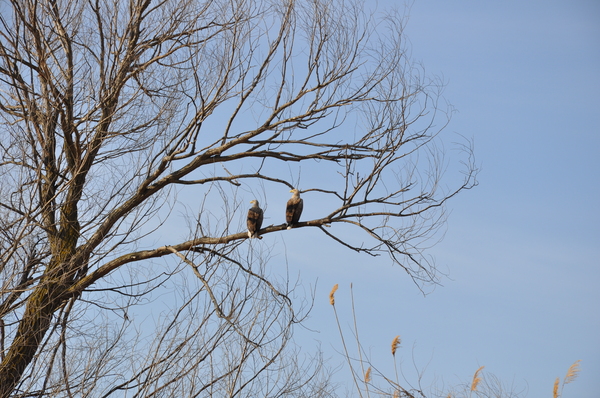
(522, 250)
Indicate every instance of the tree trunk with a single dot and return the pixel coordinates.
(32, 328)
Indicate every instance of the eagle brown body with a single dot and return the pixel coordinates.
(293, 210)
(255, 219)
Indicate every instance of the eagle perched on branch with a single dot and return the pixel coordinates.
(255, 219)
(293, 210)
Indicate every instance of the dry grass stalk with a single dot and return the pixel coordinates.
(395, 343)
(555, 392)
(573, 372)
(368, 375)
(476, 379)
(332, 293)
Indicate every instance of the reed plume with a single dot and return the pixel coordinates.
(332, 294)
(555, 392)
(476, 379)
(573, 372)
(395, 343)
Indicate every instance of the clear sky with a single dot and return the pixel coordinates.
(522, 250)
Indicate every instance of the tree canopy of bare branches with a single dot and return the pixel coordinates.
(111, 112)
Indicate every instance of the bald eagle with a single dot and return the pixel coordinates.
(255, 219)
(293, 210)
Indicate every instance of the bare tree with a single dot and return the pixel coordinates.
(109, 109)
